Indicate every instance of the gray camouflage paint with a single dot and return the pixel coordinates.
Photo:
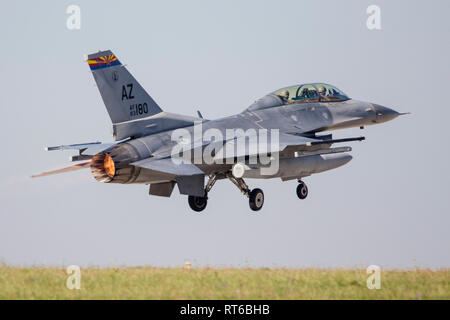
(146, 156)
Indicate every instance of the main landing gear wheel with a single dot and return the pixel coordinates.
(255, 196)
(302, 190)
(197, 203)
(256, 199)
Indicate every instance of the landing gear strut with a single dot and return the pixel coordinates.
(255, 196)
(302, 190)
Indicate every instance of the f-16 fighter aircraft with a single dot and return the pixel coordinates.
(275, 137)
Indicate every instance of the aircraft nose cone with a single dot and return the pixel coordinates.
(384, 114)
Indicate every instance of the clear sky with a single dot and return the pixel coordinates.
(389, 206)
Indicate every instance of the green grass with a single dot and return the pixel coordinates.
(209, 283)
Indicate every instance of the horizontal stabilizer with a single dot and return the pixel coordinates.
(189, 178)
(168, 166)
(75, 167)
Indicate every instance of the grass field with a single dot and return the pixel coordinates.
(208, 283)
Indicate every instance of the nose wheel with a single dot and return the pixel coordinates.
(302, 190)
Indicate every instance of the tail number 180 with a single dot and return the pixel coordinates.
(138, 109)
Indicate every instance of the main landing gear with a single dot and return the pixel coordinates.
(302, 190)
(198, 203)
(256, 199)
(255, 196)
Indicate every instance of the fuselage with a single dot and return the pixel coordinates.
(305, 118)
(275, 137)
(301, 118)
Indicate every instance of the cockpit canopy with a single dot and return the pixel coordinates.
(312, 92)
(303, 93)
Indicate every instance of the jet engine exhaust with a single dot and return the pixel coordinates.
(113, 165)
(102, 167)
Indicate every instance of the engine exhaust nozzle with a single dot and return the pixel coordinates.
(102, 167)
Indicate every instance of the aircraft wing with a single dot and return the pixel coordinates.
(85, 152)
(284, 144)
(90, 148)
(189, 178)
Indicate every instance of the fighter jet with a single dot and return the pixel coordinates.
(278, 136)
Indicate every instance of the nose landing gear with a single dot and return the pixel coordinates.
(302, 190)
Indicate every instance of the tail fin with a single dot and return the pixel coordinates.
(124, 97)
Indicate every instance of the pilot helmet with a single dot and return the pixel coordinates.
(321, 90)
(284, 94)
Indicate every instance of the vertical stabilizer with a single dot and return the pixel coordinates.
(124, 97)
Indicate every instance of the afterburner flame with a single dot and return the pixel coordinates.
(113, 165)
(109, 167)
(103, 167)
